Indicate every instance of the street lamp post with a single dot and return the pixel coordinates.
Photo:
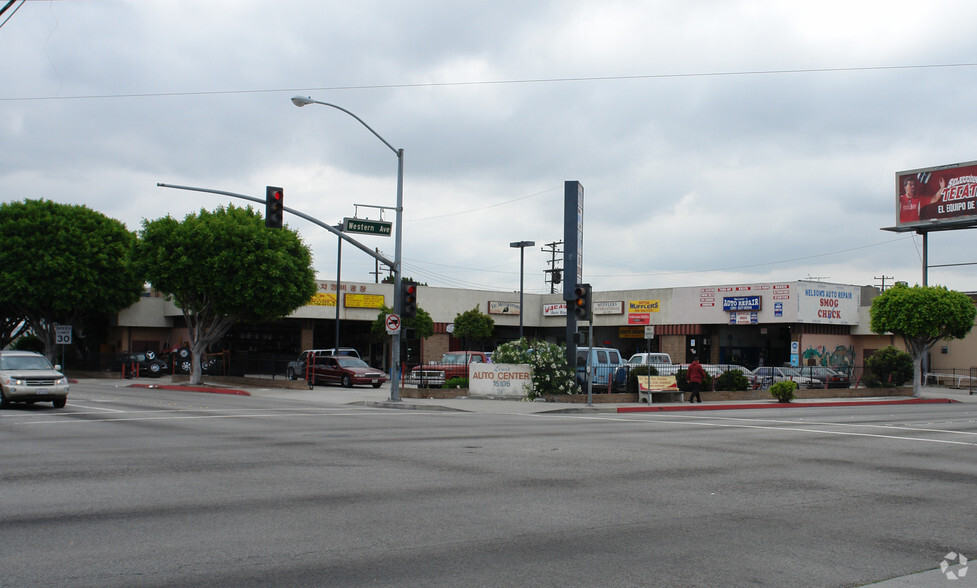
(522, 259)
(339, 284)
(398, 243)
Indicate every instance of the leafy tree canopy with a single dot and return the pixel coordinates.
(922, 315)
(472, 324)
(421, 323)
(62, 261)
(222, 267)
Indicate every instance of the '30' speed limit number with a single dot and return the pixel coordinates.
(62, 334)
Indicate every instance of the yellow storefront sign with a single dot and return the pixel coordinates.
(635, 306)
(322, 299)
(364, 301)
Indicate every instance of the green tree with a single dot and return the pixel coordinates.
(12, 326)
(472, 324)
(224, 267)
(422, 324)
(922, 315)
(62, 262)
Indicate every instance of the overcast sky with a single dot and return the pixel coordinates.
(718, 141)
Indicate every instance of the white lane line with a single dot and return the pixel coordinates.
(64, 421)
(772, 428)
(829, 424)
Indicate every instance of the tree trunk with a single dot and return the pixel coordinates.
(918, 375)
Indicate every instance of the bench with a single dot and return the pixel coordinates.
(663, 386)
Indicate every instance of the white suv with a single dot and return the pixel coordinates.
(29, 377)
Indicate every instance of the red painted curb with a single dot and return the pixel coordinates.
(661, 408)
(194, 389)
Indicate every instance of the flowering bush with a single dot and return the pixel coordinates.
(552, 373)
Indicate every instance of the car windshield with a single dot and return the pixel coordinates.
(351, 362)
(453, 359)
(24, 362)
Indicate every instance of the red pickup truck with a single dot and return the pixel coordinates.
(453, 364)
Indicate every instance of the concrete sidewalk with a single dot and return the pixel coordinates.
(380, 398)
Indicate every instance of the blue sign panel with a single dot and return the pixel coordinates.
(737, 303)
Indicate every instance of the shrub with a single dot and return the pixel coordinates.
(783, 390)
(888, 367)
(682, 379)
(457, 382)
(552, 374)
(642, 370)
(732, 380)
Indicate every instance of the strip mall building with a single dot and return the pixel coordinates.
(802, 322)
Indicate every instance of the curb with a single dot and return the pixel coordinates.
(785, 405)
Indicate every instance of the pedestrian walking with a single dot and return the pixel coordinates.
(696, 374)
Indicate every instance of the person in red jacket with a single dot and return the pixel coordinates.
(696, 374)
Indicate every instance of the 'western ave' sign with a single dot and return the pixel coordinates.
(366, 227)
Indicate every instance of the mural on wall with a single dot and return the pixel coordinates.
(841, 359)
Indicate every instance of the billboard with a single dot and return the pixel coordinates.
(936, 195)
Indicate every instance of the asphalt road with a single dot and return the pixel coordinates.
(154, 487)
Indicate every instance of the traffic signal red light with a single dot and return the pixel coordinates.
(582, 303)
(408, 299)
(274, 207)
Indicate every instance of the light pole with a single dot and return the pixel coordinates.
(398, 243)
(339, 284)
(522, 259)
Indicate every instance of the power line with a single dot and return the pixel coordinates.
(770, 72)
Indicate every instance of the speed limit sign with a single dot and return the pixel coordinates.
(62, 334)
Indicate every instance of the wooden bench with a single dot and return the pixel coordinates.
(663, 386)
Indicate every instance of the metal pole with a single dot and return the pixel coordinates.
(522, 273)
(398, 256)
(398, 251)
(339, 286)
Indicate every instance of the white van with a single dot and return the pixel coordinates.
(604, 364)
(650, 359)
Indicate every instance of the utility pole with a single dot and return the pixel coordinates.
(883, 278)
(554, 275)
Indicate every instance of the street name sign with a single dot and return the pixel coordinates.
(367, 227)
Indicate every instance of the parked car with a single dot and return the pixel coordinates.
(453, 364)
(825, 377)
(346, 371)
(297, 369)
(654, 359)
(766, 376)
(29, 377)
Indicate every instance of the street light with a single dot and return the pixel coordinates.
(398, 244)
(522, 256)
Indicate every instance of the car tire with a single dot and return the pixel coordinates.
(155, 369)
(184, 366)
(150, 355)
(59, 402)
(377, 385)
(347, 382)
(183, 353)
(4, 403)
(290, 374)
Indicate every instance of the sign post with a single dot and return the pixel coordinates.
(62, 336)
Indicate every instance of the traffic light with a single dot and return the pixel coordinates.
(274, 207)
(408, 299)
(583, 307)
